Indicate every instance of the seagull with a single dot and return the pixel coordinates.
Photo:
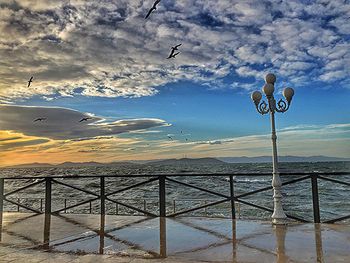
(172, 53)
(39, 119)
(170, 138)
(154, 7)
(85, 119)
(30, 81)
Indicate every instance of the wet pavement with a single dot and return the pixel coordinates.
(93, 238)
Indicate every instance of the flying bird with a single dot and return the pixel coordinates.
(39, 119)
(154, 7)
(173, 49)
(30, 81)
(85, 119)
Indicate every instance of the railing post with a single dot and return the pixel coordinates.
(315, 199)
(162, 200)
(48, 190)
(102, 195)
(2, 183)
(65, 205)
(232, 195)
(162, 237)
(144, 204)
(47, 220)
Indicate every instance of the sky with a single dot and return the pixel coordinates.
(102, 60)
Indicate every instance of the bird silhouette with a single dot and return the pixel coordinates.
(30, 81)
(172, 52)
(85, 119)
(39, 119)
(153, 8)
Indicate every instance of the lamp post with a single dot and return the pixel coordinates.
(278, 216)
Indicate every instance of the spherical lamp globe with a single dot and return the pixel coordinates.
(268, 89)
(288, 93)
(256, 96)
(270, 78)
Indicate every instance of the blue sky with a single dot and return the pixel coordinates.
(104, 60)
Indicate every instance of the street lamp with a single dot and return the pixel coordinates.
(278, 216)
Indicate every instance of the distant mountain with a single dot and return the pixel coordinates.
(188, 161)
(288, 158)
(70, 164)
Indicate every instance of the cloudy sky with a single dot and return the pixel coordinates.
(103, 61)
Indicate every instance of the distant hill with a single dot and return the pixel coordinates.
(288, 158)
(188, 161)
(70, 164)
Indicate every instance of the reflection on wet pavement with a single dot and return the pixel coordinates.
(183, 238)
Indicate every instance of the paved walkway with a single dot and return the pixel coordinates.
(92, 238)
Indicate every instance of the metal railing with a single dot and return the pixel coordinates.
(103, 196)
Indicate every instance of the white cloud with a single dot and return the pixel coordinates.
(108, 49)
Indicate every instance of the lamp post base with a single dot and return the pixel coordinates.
(279, 221)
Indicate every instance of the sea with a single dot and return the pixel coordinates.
(297, 198)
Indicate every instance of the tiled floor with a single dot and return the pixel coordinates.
(92, 238)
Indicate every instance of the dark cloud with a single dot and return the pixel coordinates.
(62, 123)
(17, 144)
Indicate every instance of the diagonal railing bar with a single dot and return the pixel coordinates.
(269, 210)
(24, 187)
(75, 205)
(219, 235)
(95, 231)
(23, 206)
(331, 221)
(334, 180)
(132, 207)
(131, 186)
(199, 207)
(106, 234)
(19, 220)
(297, 218)
(12, 233)
(254, 205)
(76, 188)
(203, 248)
(203, 229)
(198, 188)
(270, 187)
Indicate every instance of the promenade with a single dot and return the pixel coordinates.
(110, 238)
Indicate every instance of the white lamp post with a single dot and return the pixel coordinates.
(278, 216)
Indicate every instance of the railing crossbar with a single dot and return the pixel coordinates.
(199, 207)
(23, 206)
(331, 221)
(75, 205)
(270, 187)
(132, 186)
(132, 207)
(198, 188)
(24, 187)
(334, 180)
(76, 188)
